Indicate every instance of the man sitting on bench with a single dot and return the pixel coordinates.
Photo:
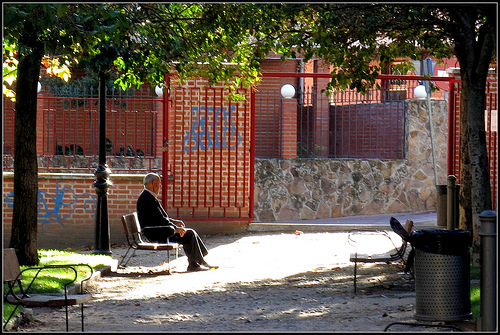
(151, 214)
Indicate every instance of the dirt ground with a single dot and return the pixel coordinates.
(278, 282)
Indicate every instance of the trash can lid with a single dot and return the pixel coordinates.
(442, 241)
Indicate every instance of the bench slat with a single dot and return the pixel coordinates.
(73, 299)
(158, 246)
(369, 258)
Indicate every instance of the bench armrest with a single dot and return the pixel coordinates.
(41, 269)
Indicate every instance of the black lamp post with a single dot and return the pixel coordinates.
(102, 184)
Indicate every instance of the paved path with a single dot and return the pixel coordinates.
(267, 282)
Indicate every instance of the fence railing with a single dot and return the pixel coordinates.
(67, 133)
(341, 124)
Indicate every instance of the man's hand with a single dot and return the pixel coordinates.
(181, 231)
(178, 223)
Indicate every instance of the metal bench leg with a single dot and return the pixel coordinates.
(82, 320)
(67, 318)
(355, 273)
(123, 258)
(168, 260)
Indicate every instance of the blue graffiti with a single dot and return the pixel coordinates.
(202, 136)
(62, 208)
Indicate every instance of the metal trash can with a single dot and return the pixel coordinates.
(442, 274)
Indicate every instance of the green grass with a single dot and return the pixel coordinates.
(53, 280)
(475, 292)
(475, 302)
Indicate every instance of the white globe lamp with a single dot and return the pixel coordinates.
(159, 90)
(39, 87)
(287, 91)
(420, 92)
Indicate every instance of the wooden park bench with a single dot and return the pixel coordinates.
(397, 253)
(136, 240)
(18, 292)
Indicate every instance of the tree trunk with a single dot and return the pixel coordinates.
(474, 173)
(475, 187)
(24, 220)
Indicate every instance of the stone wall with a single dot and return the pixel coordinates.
(304, 189)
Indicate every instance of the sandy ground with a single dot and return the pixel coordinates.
(279, 282)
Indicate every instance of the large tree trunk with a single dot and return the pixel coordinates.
(474, 56)
(474, 172)
(24, 219)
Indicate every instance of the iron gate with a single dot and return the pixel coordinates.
(208, 157)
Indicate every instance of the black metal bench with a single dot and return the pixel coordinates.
(136, 240)
(396, 254)
(19, 294)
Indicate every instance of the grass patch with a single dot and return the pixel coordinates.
(53, 280)
(475, 292)
(475, 302)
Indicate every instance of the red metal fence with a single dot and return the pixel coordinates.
(208, 162)
(344, 124)
(68, 127)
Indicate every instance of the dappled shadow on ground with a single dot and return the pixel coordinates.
(142, 299)
(319, 300)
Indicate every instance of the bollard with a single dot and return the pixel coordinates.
(488, 239)
(451, 203)
(441, 205)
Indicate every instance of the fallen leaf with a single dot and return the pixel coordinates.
(298, 232)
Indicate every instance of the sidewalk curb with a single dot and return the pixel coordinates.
(345, 224)
(286, 227)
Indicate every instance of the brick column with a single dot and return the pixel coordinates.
(288, 128)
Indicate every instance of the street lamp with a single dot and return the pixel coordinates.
(287, 91)
(102, 183)
(420, 92)
(159, 90)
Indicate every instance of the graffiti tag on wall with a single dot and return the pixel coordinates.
(56, 209)
(203, 136)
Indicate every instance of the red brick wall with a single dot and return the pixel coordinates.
(67, 208)
(289, 129)
(208, 161)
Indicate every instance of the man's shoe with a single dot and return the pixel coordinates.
(211, 267)
(195, 267)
